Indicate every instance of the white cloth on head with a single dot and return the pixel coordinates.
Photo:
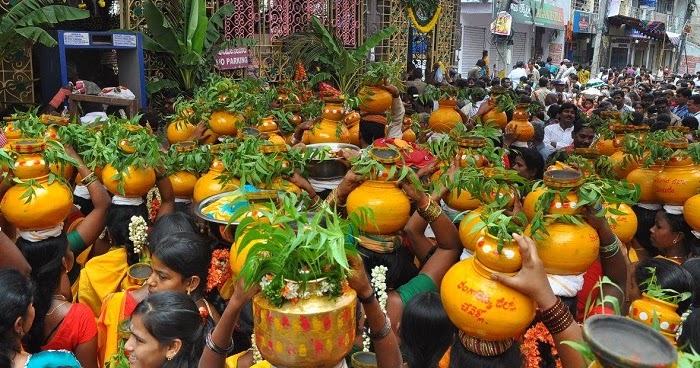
(126, 201)
(183, 200)
(566, 286)
(466, 254)
(92, 117)
(650, 206)
(82, 192)
(321, 185)
(673, 210)
(43, 234)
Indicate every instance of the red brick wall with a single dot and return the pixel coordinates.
(692, 60)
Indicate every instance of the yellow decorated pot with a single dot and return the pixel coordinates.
(645, 177)
(30, 162)
(409, 135)
(46, 208)
(267, 125)
(135, 181)
(645, 309)
(556, 207)
(66, 173)
(524, 131)
(606, 147)
(481, 307)
(623, 164)
(179, 131)
(183, 183)
(315, 332)
(495, 116)
(333, 109)
(568, 249)
(11, 132)
(330, 131)
(676, 184)
(624, 226)
(691, 212)
(208, 184)
(463, 201)
(390, 206)
(445, 118)
(467, 236)
(507, 260)
(375, 100)
(224, 123)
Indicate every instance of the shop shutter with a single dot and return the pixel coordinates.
(519, 47)
(472, 46)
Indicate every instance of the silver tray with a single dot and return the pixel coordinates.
(329, 169)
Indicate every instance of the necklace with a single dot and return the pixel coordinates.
(63, 302)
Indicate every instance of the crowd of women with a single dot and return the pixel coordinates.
(69, 302)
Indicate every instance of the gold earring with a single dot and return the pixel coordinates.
(170, 356)
(189, 292)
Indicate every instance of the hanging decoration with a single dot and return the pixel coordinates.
(424, 15)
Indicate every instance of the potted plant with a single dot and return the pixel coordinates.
(184, 163)
(301, 265)
(445, 118)
(502, 102)
(182, 124)
(375, 99)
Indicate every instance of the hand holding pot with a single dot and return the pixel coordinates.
(301, 182)
(531, 280)
(416, 194)
(350, 181)
(392, 90)
(358, 279)
(243, 295)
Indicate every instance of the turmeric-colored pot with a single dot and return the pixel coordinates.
(208, 184)
(375, 100)
(224, 123)
(329, 131)
(445, 118)
(691, 212)
(179, 131)
(467, 236)
(623, 164)
(647, 309)
(46, 208)
(390, 206)
(183, 183)
(524, 131)
(135, 181)
(645, 177)
(568, 249)
(624, 226)
(676, 184)
(495, 116)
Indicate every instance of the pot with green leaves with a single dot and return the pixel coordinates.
(566, 244)
(304, 315)
(130, 172)
(520, 125)
(445, 118)
(658, 307)
(556, 184)
(468, 233)
(38, 199)
(389, 205)
(500, 101)
(479, 306)
(330, 129)
(216, 180)
(182, 126)
(184, 163)
(373, 98)
(680, 178)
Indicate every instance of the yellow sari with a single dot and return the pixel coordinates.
(101, 276)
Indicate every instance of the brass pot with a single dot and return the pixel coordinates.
(363, 359)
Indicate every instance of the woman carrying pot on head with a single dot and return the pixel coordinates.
(167, 330)
(673, 237)
(180, 263)
(16, 317)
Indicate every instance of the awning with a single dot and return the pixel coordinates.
(652, 28)
(675, 38)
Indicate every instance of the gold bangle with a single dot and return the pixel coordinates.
(89, 179)
(431, 212)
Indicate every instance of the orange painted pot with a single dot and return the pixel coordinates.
(179, 131)
(524, 131)
(236, 259)
(267, 125)
(208, 184)
(495, 116)
(12, 133)
(352, 122)
(463, 201)
(390, 206)
(135, 181)
(624, 226)
(643, 310)
(568, 249)
(375, 100)
(507, 260)
(445, 118)
(645, 177)
(47, 208)
(183, 183)
(676, 184)
(691, 212)
(623, 164)
(314, 332)
(329, 131)
(467, 236)
(606, 147)
(556, 207)
(468, 151)
(409, 135)
(225, 123)
(333, 109)
(481, 307)
(30, 162)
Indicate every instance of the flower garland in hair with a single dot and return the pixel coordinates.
(257, 357)
(153, 202)
(379, 286)
(529, 348)
(219, 271)
(138, 234)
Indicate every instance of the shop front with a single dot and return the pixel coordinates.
(583, 32)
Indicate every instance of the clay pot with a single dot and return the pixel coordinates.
(691, 212)
(463, 201)
(330, 131)
(267, 125)
(524, 131)
(179, 131)
(389, 205)
(676, 184)
(623, 164)
(468, 154)
(208, 184)
(30, 162)
(568, 249)
(624, 226)
(445, 118)
(375, 100)
(644, 177)
(606, 147)
(467, 236)
(183, 183)
(643, 310)
(135, 181)
(409, 135)
(507, 260)
(481, 307)
(333, 109)
(12, 133)
(558, 180)
(495, 116)
(315, 332)
(224, 123)
(353, 130)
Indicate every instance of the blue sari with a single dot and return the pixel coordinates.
(53, 359)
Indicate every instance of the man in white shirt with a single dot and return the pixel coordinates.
(618, 97)
(559, 135)
(517, 72)
(566, 69)
(693, 104)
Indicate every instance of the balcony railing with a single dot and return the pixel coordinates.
(673, 24)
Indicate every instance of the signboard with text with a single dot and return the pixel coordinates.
(232, 59)
(583, 22)
(548, 14)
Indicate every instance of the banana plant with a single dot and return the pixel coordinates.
(188, 38)
(26, 21)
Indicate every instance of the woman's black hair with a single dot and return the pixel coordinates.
(645, 219)
(168, 224)
(45, 257)
(461, 357)
(118, 220)
(677, 223)
(170, 315)
(692, 265)
(689, 340)
(425, 316)
(371, 131)
(17, 292)
(187, 254)
(533, 159)
(669, 275)
(399, 263)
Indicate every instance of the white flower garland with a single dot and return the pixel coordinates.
(379, 286)
(257, 357)
(137, 233)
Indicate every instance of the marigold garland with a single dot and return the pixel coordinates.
(219, 271)
(428, 27)
(538, 333)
